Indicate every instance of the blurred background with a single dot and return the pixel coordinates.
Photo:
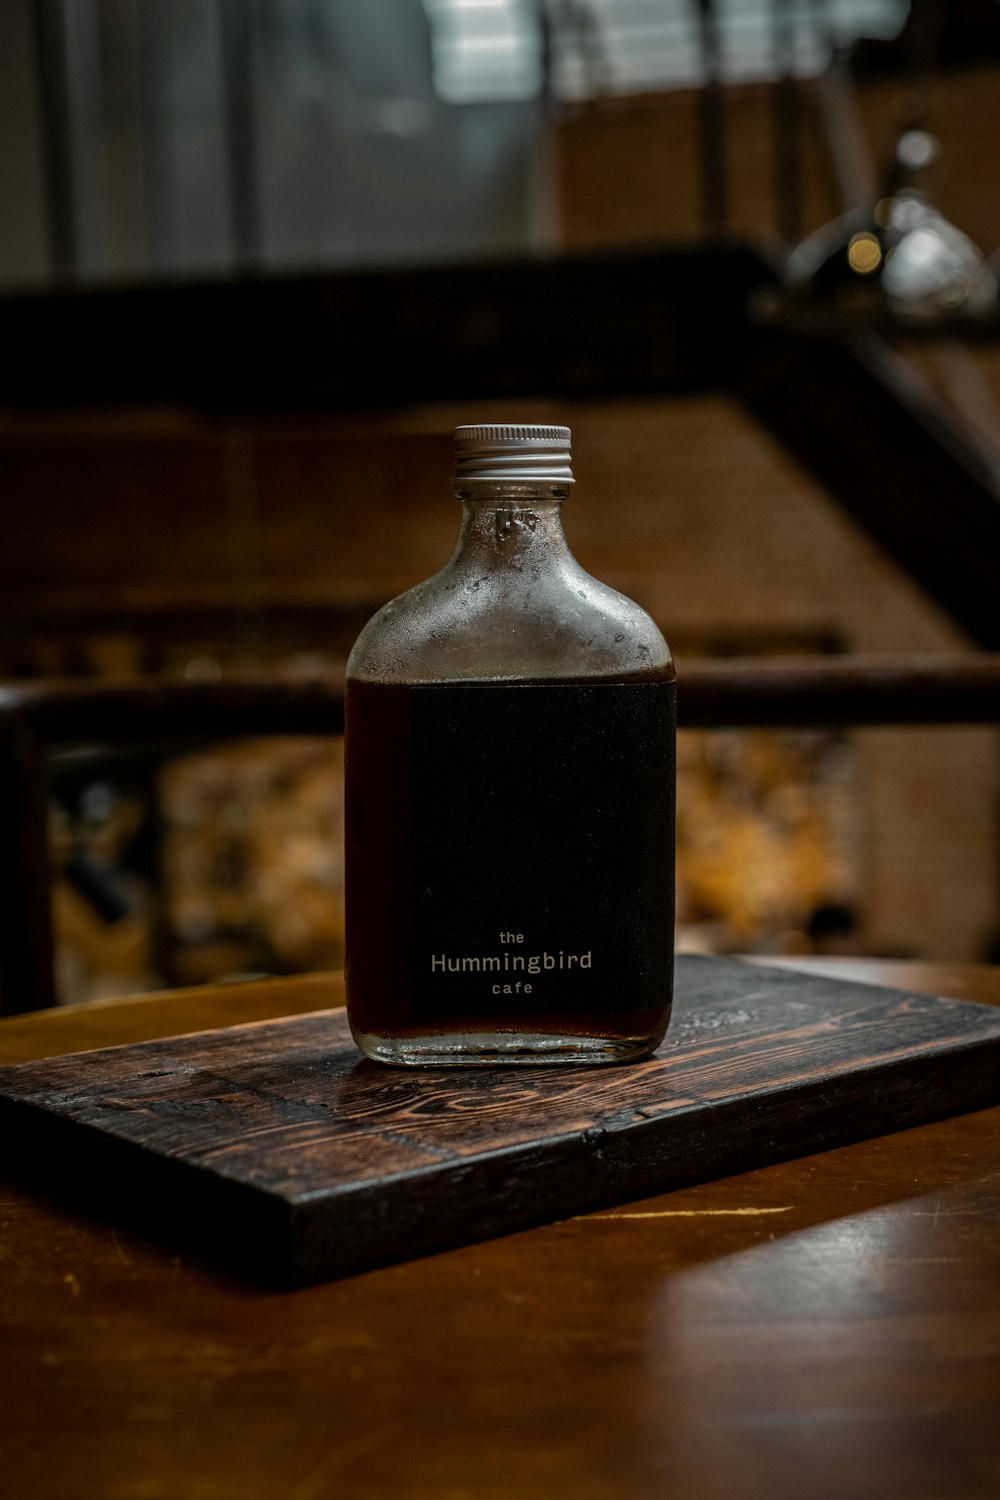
(258, 257)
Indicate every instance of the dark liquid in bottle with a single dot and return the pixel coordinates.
(509, 858)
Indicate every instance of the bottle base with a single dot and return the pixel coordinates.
(490, 1049)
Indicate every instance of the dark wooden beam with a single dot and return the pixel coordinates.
(793, 691)
(839, 692)
(26, 977)
(858, 417)
(82, 712)
(652, 320)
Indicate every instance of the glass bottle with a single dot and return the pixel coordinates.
(510, 792)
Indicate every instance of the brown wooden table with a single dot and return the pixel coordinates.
(825, 1328)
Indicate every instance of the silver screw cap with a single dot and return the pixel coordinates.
(513, 451)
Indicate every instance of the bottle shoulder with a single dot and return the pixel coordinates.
(479, 625)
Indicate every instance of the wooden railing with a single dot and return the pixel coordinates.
(38, 718)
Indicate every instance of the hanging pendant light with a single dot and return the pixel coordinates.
(898, 259)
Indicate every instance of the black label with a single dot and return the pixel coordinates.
(543, 847)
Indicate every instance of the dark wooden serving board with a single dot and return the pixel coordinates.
(277, 1148)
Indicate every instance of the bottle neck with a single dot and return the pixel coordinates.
(506, 524)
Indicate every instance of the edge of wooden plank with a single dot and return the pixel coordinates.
(271, 1236)
(613, 1163)
(237, 1224)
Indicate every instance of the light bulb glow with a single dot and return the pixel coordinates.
(864, 253)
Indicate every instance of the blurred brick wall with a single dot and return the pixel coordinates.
(685, 505)
(629, 170)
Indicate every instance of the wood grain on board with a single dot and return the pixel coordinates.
(275, 1147)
